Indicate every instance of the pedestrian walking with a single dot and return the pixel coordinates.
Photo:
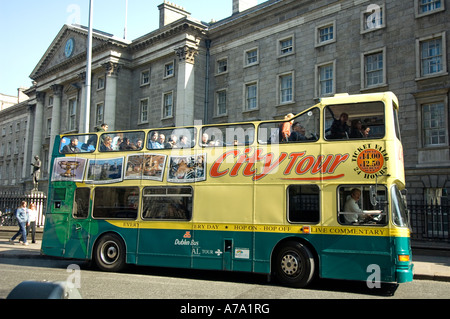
(23, 220)
(32, 216)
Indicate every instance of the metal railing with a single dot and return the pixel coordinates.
(429, 222)
(9, 201)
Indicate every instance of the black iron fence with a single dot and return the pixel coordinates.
(429, 222)
(9, 201)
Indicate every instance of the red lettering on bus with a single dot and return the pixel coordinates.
(215, 167)
(324, 164)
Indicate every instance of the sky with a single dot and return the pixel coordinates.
(28, 27)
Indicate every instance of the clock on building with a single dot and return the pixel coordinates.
(68, 50)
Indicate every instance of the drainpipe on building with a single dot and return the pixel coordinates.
(205, 111)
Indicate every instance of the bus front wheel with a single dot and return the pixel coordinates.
(110, 253)
(294, 265)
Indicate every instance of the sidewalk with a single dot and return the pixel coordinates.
(428, 264)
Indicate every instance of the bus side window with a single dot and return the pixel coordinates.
(364, 120)
(81, 205)
(73, 144)
(355, 206)
(173, 203)
(116, 202)
(303, 203)
(231, 135)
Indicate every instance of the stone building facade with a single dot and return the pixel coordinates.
(260, 63)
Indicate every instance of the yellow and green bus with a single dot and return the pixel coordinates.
(319, 194)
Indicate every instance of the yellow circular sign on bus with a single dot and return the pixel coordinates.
(370, 161)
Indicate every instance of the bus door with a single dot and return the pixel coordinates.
(78, 224)
(57, 218)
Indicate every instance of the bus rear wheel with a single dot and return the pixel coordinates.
(110, 253)
(294, 265)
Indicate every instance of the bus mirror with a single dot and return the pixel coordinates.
(373, 195)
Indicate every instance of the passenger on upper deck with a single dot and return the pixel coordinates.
(285, 128)
(356, 129)
(71, 147)
(205, 140)
(106, 144)
(298, 133)
(153, 141)
(184, 143)
(339, 128)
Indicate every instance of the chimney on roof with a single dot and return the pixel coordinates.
(169, 12)
(242, 5)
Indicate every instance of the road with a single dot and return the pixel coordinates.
(163, 283)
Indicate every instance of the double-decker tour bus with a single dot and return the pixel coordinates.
(319, 194)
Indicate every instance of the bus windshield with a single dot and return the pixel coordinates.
(399, 210)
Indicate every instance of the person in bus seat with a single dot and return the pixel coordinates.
(339, 128)
(126, 145)
(106, 144)
(298, 133)
(365, 130)
(351, 206)
(356, 129)
(162, 140)
(205, 140)
(71, 147)
(285, 128)
(184, 143)
(139, 144)
(153, 142)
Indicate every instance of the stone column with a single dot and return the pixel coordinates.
(112, 71)
(38, 126)
(56, 118)
(184, 114)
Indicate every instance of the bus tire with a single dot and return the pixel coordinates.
(294, 265)
(110, 253)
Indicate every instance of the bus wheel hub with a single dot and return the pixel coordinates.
(290, 264)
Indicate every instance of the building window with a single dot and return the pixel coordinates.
(167, 105)
(143, 111)
(431, 56)
(145, 77)
(169, 70)
(99, 114)
(251, 96)
(372, 18)
(72, 114)
(325, 79)
(286, 46)
(325, 34)
(374, 70)
(434, 124)
(221, 98)
(426, 7)
(49, 127)
(251, 57)
(100, 83)
(222, 66)
(50, 101)
(286, 88)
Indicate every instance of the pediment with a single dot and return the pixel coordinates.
(60, 56)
